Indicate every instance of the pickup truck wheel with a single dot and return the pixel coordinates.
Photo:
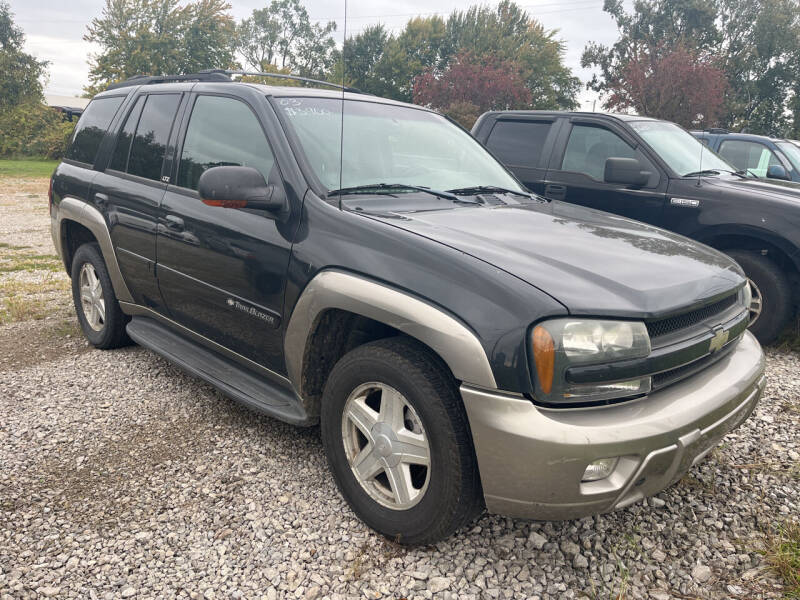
(772, 295)
(398, 441)
(102, 321)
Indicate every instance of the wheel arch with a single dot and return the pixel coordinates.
(79, 223)
(338, 311)
(778, 249)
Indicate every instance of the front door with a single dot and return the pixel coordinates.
(222, 271)
(577, 171)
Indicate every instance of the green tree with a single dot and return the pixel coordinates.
(387, 65)
(755, 43)
(158, 37)
(20, 73)
(283, 35)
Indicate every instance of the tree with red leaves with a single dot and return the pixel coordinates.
(676, 85)
(469, 87)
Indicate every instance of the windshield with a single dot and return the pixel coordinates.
(791, 152)
(389, 144)
(682, 152)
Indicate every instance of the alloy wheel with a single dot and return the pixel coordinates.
(92, 301)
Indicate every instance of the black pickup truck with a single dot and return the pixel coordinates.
(656, 172)
(462, 343)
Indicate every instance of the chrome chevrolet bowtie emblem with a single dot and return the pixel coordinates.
(719, 340)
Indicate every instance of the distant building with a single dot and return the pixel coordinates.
(69, 106)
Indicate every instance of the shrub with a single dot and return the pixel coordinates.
(33, 129)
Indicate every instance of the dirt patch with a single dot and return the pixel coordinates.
(30, 343)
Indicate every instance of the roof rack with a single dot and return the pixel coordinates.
(221, 75)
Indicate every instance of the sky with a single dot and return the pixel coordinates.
(54, 29)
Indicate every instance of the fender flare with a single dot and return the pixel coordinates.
(707, 235)
(72, 209)
(450, 338)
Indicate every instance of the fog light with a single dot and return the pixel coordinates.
(599, 469)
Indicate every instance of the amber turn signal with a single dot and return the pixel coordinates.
(544, 356)
(226, 203)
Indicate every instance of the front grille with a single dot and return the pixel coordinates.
(675, 375)
(685, 320)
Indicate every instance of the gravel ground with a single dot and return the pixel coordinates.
(122, 477)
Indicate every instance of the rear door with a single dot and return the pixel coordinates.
(130, 190)
(222, 271)
(577, 168)
(523, 144)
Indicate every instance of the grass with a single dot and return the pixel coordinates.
(27, 167)
(783, 555)
(19, 258)
(18, 308)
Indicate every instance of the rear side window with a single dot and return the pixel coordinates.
(150, 142)
(518, 143)
(222, 131)
(589, 147)
(119, 160)
(92, 127)
(754, 157)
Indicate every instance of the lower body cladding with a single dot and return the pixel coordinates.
(532, 460)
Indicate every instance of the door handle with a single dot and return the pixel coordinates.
(101, 200)
(555, 192)
(174, 223)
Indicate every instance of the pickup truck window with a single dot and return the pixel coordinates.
(518, 143)
(222, 131)
(590, 146)
(791, 152)
(682, 152)
(385, 143)
(752, 156)
(92, 127)
(150, 142)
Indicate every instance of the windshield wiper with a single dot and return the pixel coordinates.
(487, 189)
(703, 172)
(388, 187)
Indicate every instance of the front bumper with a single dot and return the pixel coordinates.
(531, 459)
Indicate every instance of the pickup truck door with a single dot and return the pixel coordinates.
(222, 271)
(577, 164)
(524, 144)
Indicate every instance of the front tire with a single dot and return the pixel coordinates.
(772, 295)
(398, 441)
(101, 319)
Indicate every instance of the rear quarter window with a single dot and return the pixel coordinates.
(518, 143)
(91, 128)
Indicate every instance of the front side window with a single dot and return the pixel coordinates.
(589, 147)
(385, 143)
(152, 133)
(679, 149)
(92, 127)
(792, 153)
(222, 131)
(519, 143)
(751, 156)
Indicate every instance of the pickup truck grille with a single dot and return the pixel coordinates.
(688, 319)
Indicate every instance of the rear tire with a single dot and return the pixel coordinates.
(439, 498)
(101, 319)
(772, 295)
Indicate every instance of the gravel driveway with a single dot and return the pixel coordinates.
(122, 477)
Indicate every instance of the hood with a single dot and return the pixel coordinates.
(776, 189)
(592, 262)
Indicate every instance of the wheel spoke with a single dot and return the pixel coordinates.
(362, 417)
(86, 293)
(400, 480)
(100, 307)
(392, 405)
(414, 447)
(367, 463)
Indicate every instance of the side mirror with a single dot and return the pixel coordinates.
(627, 171)
(239, 187)
(777, 172)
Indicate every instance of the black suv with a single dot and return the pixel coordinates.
(462, 343)
(655, 171)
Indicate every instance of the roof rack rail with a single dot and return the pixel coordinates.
(719, 130)
(221, 75)
(284, 76)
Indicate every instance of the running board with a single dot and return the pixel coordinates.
(231, 379)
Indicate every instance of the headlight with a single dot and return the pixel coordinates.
(746, 295)
(563, 343)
